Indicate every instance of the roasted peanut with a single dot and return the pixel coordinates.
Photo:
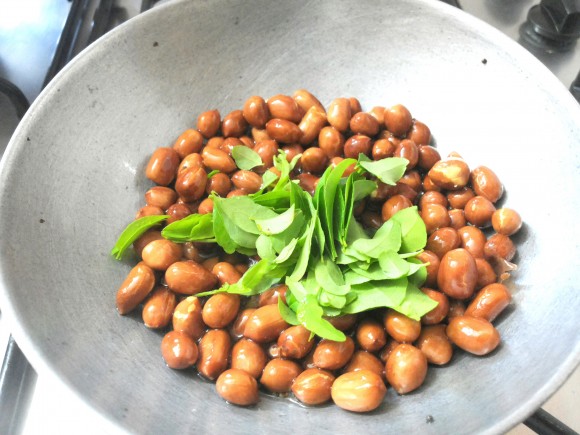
(364, 123)
(135, 288)
(506, 221)
(220, 310)
(311, 125)
(226, 273)
(394, 204)
(359, 391)
(406, 368)
(256, 112)
(283, 130)
(398, 120)
(314, 160)
(158, 310)
(402, 328)
(189, 278)
(432, 267)
(437, 314)
(217, 159)
(339, 114)
(451, 174)
(145, 239)
(160, 254)
(443, 240)
(237, 387)
(486, 183)
(285, 107)
(332, 355)
(419, 133)
(306, 100)
(295, 342)
(179, 350)
(234, 124)
(272, 295)
(162, 166)
(428, 156)
(249, 357)
(363, 360)
(265, 324)
(214, 349)
(357, 144)
(279, 374)
(499, 246)
(478, 211)
(457, 274)
(208, 123)
(370, 335)
(312, 386)
(190, 141)
(407, 149)
(489, 302)
(159, 196)
(187, 318)
(473, 334)
(433, 342)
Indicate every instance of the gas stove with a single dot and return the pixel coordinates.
(38, 37)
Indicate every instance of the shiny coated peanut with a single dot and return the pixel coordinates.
(214, 350)
(279, 374)
(191, 183)
(473, 334)
(265, 324)
(435, 345)
(179, 350)
(135, 288)
(311, 125)
(370, 335)
(160, 196)
(402, 328)
(247, 180)
(489, 302)
(249, 356)
(339, 114)
(219, 160)
(237, 387)
(220, 310)
(283, 130)
(486, 183)
(226, 273)
(189, 278)
(398, 119)
(162, 166)
(312, 386)
(406, 368)
(158, 309)
(190, 141)
(437, 314)
(359, 391)
(457, 274)
(285, 107)
(363, 360)
(187, 317)
(160, 254)
(294, 342)
(208, 123)
(506, 221)
(332, 355)
(451, 174)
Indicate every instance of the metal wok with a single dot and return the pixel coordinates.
(73, 176)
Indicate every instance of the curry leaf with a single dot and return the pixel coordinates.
(246, 158)
(133, 231)
(389, 170)
(195, 227)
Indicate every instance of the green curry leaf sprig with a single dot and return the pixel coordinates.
(330, 263)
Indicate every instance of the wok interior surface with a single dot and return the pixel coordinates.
(73, 177)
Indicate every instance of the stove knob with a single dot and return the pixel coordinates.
(553, 24)
(575, 88)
